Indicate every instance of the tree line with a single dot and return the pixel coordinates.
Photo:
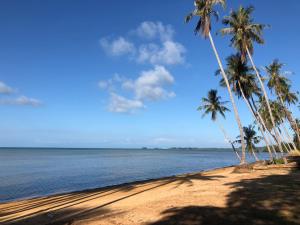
(270, 110)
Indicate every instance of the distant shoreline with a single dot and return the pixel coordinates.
(142, 148)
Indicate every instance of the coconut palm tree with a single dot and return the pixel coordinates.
(251, 140)
(240, 74)
(278, 116)
(204, 9)
(244, 33)
(295, 137)
(243, 83)
(213, 105)
(279, 84)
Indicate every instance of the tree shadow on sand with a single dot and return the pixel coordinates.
(265, 201)
(65, 209)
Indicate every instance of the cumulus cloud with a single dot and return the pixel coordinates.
(156, 45)
(153, 45)
(170, 53)
(117, 47)
(120, 104)
(22, 100)
(111, 83)
(151, 30)
(150, 85)
(5, 89)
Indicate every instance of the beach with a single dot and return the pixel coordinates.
(222, 196)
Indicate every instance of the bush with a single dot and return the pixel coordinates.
(278, 161)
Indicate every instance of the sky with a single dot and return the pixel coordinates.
(123, 73)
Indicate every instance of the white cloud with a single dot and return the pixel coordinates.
(117, 47)
(170, 53)
(152, 30)
(18, 100)
(103, 84)
(120, 104)
(5, 89)
(22, 100)
(156, 45)
(149, 85)
(110, 83)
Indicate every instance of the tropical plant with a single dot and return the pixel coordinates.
(279, 84)
(213, 105)
(244, 33)
(295, 137)
(204, 9)
(277, 111)
(251, 140)
(241, 78)
(243, 83)
(278, 116)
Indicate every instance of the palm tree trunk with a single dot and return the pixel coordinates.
(286, 136)
(255, 118)
(229, 140)
(290, 118)
(255, 156)
(289, 137)
(266, 129)
(285, 147)
(264, 126)
(236, 114)
(267, 100)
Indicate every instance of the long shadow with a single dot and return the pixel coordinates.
(62, 208)
(78, 195)
(271, 200)
(63, 217)
(67, 199)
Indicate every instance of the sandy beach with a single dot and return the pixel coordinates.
(221, 196)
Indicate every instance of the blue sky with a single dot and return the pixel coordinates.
(121, 73)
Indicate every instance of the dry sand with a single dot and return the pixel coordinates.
(264, 196)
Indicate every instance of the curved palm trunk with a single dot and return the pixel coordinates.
(289, 137)
(286, 136)
(266, 129)
(285, 146)
(267, 101)
(236, 114)
(229, 140)
(274, 137)
(255, 118)
(254, 154)
(291, 119)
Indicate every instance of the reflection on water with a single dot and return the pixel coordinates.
(37, 172)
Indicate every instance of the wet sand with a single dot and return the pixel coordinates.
(221, 196)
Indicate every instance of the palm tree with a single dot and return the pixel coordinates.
(204, 9)
(244, 33)
(213, 105)
(244, 85)
(279, 84)
(251, 140)
(278, 115)
(295, 138)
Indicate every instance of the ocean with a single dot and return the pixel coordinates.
(32, 172)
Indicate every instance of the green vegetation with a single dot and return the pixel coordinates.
(270, 110)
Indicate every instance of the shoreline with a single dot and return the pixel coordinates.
(210, 196)
(137, 182)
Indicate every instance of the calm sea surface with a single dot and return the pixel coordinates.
(28, 173)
